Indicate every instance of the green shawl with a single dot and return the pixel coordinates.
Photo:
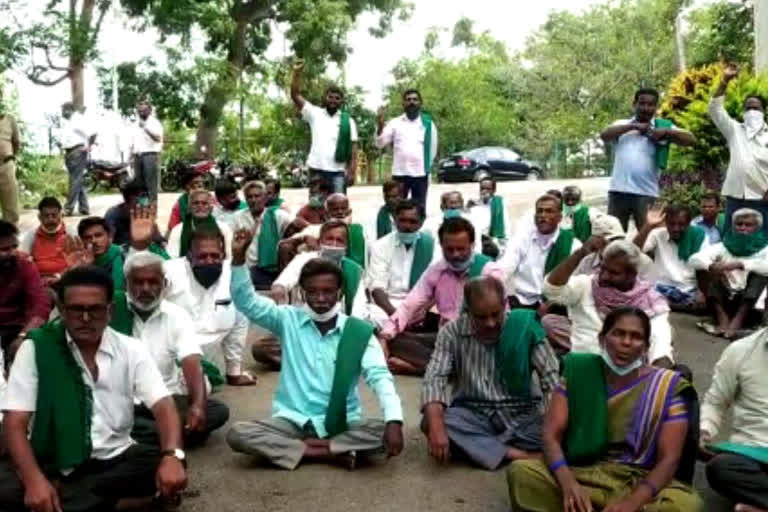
(383, 222)
(587, 436)
(582, 225)
(356, 244)
(742, 245)
(159, 250)
(183, 205)
(498, 230)
(662, 150)
(277, 202)
(112, 262)
(352, 275)
(758, 453)
(560, 250)
(522, 331)
(426, 120)
(478, 263)
(423, 252)
(349, 354)
(690, 243)
(61, 431)
(189, 226)
(720, 223)
(269, 238)
(344, 142)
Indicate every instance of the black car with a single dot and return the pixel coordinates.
(476, 164)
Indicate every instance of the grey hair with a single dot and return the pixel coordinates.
(748, 212)
(335, 196)
(142, 259)
(626, 248)
(255, 184)
(484, 285)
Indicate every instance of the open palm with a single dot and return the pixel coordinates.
(143, 224)
(75, 253)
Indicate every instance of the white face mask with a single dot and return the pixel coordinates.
(753, 122)
(52, 232)
(322, 317)
(331, 252)
(621, 371)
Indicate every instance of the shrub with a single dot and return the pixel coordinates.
(39, 176)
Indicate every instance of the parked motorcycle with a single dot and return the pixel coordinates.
(170, 176)
(109, 175)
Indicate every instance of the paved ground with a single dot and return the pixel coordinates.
(225, 482)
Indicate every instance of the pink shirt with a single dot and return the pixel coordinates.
(440, 286)
(407, 140)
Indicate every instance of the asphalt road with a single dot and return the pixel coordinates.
(222, 481)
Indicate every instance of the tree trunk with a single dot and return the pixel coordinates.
(77, 84)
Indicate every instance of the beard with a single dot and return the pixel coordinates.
(331, 110)
(412, 111)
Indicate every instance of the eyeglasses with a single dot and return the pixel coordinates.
(93, 312)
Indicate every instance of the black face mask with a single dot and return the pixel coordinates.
(207, 275)
(412, 111)
(8, 264)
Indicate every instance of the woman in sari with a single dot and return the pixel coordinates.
(614, 433)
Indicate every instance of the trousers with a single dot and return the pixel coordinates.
(623, 205)
(739, 478)
(9, 192)
(337, 179)
(146, 168)
(145, 430)
(77, 163)
(415, 188)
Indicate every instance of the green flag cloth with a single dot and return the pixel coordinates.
(744, 245)
(349, 355)
(423, 252)
(662, 150)
(159, 250)
(353, 274)
(269, 238)
(383, 222)
(582, 225)
(344, 142)
(183, 205)
(498, 229)
(426, 120)
(758, 453)
(478, 263)
(61, 430)
(690, 243)
(720, 223)
(560, 251)
(112, 262)
(356, 244)
(587, 436)
(522, 331)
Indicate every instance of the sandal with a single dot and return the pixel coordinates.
(709, 328)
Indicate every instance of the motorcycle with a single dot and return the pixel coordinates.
(170, 177)
(108, 174)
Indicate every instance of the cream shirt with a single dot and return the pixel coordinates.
(245, 220)
(142, 142)
(737, 279)
(668, 268)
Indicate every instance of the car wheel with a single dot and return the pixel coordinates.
(480, 175)
(533, 175)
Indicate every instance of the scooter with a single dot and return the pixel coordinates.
(108, 174)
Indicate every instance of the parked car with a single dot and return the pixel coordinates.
(476, 164)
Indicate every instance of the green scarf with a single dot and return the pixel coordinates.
(423, 252)
(758, 453)
(356, 244)
(690, 243)
(277, 202)
(742, 245)
(560, 250)
(587, 436)
(269, 238)
(720, 223)
(498, 230)
(478, 263)
(662, 150)
(426, 120)
(183, 205)
(344, 142)
(159, 250)
(352, 275)
(112, 262)
(61, 431)
(522, 331)
(582, 225)
(349, 354)
(188, 228)
(383, 222)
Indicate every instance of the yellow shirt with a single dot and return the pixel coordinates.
(9, 136)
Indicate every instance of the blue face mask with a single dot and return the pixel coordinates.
(451, 213)
(315, 201)
(407, 238)
(621, 371)
(462, 266)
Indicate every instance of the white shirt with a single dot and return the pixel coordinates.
(325, 136)
(75, 131)
(142, 142)
(740, 380)
(224, 216)
(586, 322)
(390, 268)
(737, 279)
(214, 316)
(747, 174)
(126, 370)
(169, 335)
(480, 217)
(407, 140)
(668, 268)
(289, 279)
(524, 264)
(245, 220)
(174, 239)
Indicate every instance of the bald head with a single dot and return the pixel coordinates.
(485, 298)
(483, 288)
(337, 206)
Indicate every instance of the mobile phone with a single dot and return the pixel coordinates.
(143, 201)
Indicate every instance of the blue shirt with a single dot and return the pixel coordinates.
(713, 233)
(308, 361)
(634, 164)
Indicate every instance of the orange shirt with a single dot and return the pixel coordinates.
(48, 251)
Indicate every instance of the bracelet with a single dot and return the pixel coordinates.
(654, 490)
(557, 465)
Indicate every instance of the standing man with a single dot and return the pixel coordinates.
(746, 180)
(333, 155)
(76, 141)
(413, 137)
(641, 149)
(10, 144)
(146, 147)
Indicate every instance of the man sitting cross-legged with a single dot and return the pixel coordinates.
(72, 386)
(169, 333)
(200, 214)
(738, 268)
(490, 355)
(589, 298)
(285, 289)
(316, 410)
(441, 284)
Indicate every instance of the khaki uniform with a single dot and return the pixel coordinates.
(9, 188)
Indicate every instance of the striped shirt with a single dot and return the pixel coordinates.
(471, 367)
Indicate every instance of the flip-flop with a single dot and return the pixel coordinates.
(709, 328)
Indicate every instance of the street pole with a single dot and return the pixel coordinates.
(680, 41)
(761, 35)
(115, 89)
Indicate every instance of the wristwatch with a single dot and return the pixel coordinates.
(176, 453)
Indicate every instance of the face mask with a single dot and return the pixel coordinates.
(753, 121)
(333, 253)
(322, 317)
(51, 231)
(451, 213)
(569, 210)
(461, 266)
(315, 202)
(207, 275)
(485, 198)
(407, 238)
(412, 111)
(621, 371)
